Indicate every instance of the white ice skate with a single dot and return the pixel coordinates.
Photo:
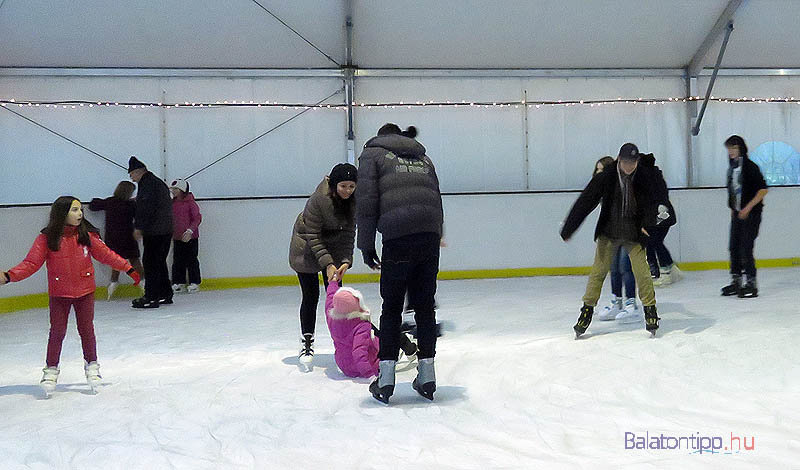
(306, 355)
(93, 377)
(664, 278)
(676, 273)
(630, 313)
(111, 288)
(611, 310)
(192, 288)
(178, 288)
(49, 379)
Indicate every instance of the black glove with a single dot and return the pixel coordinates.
(371, 258)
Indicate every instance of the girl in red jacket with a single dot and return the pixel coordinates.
(68, 244)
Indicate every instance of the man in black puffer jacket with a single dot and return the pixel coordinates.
(398, 195)
(630, 195)
(153, 224)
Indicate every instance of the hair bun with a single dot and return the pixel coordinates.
(411, 131)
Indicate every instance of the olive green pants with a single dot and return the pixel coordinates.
(603, 255)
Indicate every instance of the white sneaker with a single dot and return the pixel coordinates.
(611, 310)
(178, 288)
(111, 288)
(676, 273)
(93, 377)
(630, 313)
(192, 288)
(49, 379)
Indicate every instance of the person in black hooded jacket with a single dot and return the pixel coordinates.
(662, 266)
(398, 195)
(629, 194)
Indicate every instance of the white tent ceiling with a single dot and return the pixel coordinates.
(392, 33)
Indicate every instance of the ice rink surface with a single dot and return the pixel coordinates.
(213, 381)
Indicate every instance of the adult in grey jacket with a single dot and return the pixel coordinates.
(152, 224)
(322, 240)
(398, 195)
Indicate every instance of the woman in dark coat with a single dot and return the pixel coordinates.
(120, 210)
(322, 241)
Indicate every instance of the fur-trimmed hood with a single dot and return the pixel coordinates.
(348, 303)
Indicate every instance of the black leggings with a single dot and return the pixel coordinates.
(309, 285)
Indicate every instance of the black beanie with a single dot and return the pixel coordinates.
(342, 172)
(135, 164)
(628, 152)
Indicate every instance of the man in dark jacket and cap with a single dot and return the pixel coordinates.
(630, 195)
(152, 224)
(398, 195)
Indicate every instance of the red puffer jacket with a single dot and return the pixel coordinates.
(70, 272)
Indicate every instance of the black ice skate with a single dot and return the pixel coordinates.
(732, 288)
(144, 302)
(749, 289)
(651, 319)
(583, 321)
(425, 382)
(407, 346)
(383, 387)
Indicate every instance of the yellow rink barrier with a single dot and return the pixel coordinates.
(25, 302)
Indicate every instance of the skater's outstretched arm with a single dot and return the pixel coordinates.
(97, 204)
(589, 199)
(332, 288)
(32, 262)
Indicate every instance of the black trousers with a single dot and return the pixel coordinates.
(409, 263)
(657, 254)
(742, 241)
(154, 259)
(309, 285)
(184, 257)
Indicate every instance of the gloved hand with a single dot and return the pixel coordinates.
(663, 213)
(135, 276)
(371, 259)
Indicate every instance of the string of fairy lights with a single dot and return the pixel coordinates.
(535, 104)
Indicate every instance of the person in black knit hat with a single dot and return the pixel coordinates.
(152, 224)
(322, 240)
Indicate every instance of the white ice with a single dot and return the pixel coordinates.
(213, 382)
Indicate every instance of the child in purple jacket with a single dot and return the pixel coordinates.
(353, 335)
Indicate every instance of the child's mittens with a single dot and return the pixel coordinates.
(135, 276)
(187, 235)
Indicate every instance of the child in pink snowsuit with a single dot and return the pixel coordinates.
(354, 337)
(348, 321)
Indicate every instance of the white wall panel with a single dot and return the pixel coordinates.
(251, 238)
